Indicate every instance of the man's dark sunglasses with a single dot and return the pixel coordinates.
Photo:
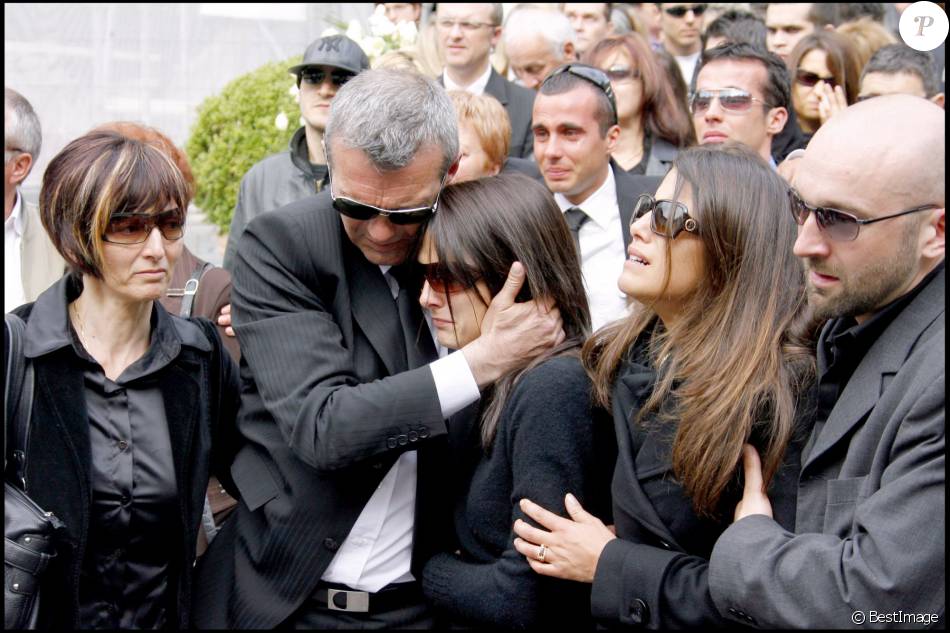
(678, 12)
(359, 211)
(595, 76)
(134, 228)
(840, 225)
(669, 218)
(809, 79)
(316, 76)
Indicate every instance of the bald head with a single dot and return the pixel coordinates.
(893, 144)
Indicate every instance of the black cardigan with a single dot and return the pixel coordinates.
(549, 442)
(201, 394)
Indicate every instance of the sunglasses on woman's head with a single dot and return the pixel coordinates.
(809, 79)
(840, 226)
(134, 228)
(668, 218)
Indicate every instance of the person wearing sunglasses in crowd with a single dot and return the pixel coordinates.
(344, 396)
(653, 126)
(869, 541)
(742, 95)
(133, 407)
(301, 171)
(681, 27)
(575, 129)
(714, 358)
(534, 432)
(825, 78)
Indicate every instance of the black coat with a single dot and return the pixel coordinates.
(200, 391)
(327, 406)
(647, 577)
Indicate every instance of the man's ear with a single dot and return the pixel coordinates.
(934, 235)
(570, 52)
(22, 165)
(775, 120)
(613, 133)
(938, 99)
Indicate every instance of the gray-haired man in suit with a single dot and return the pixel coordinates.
(869, 541)
(344, 399)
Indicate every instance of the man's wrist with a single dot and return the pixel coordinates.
(483, 370)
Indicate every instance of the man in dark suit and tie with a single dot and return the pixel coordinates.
(869, 545)
(467, 34)
(575, 129)
(344, 398)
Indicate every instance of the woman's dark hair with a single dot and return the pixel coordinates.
(842, 59)
(663, 115)
(736, 359)
(95, 176)
(481, 228)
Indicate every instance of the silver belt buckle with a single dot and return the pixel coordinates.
(356, 601)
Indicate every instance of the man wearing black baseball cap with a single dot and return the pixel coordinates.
(278, 180)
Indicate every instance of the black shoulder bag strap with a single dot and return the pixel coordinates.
(191, 289)
(18, 397)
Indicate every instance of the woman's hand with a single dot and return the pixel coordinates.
(754, 500)
(830, 100)
(571, 548)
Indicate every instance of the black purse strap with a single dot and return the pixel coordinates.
(18, 392)
(191, 289)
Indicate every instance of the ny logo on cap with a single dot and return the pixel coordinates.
(330, 45)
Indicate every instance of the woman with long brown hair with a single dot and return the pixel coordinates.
(826, 76)
(654, 124)
(710, 361)
(535, 431)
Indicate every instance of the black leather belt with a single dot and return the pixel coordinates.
(390, 597)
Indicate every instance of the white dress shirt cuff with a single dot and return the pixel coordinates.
(454, 383)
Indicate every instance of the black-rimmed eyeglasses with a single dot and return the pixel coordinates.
(595, 76)
(840, 226)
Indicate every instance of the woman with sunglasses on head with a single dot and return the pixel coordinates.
(826, 77)
(654, 124)
(534, 431)
(709, 362)
(129, 400)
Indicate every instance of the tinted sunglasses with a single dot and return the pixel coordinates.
(840, 226)
(730, 99)
(134, 228)
(441, 280)
(669, 218)
(809, 79)
(595, 76)
(316, 76)
(359, 211)
(678, 12)
(619, 73)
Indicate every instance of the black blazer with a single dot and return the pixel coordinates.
(327, 407)
(629, 188)
(519, 102)
(200, 392)
(646, 577)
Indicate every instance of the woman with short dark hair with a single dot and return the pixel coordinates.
(535, 431)
(129, 400)
(714, 358)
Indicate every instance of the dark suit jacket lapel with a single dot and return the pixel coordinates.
(625, 198)
(374, 308)
(179, 389)
(884, 359)
(496, 87)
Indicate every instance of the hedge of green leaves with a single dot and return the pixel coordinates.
(236, 129)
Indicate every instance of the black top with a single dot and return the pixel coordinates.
(845, 342)
(549, 442)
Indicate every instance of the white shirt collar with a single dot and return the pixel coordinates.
(16, 217)
(477, 87)
(600, 206)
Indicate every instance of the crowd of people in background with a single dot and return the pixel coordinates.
(579, 314)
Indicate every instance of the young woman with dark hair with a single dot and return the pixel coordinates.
(535, 431)
(826, 77)
(654, 123)
(712, 360)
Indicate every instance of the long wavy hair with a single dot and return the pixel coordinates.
(482, 227)
(663, 114)
(739, 356)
